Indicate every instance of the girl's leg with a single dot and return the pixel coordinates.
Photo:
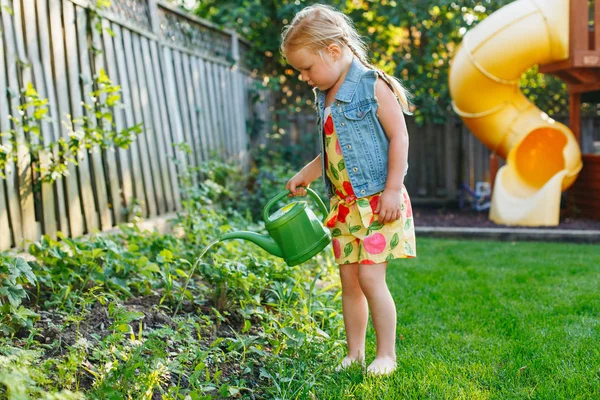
(356, 314)
(383, 313)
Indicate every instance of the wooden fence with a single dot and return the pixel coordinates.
(442, 156)
(181, 77)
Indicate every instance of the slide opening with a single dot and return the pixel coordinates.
(540, 156)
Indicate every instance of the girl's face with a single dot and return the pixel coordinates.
(321, 72)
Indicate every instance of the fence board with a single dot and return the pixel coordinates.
(96, 167)
(157, 144)
(76, 223)
(173, 110)
(10, 207)
(205, 113)
(129, 158)
(149, 199)
(167, 140)
(107, 157)
(72, 68)
(5, 231)
(54, 132)
(30, 225)
(183, 112)
(147, 143)
(202, 125)
(191, 105)
(217, 122)
(123, 173)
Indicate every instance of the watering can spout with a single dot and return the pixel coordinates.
(265, 242)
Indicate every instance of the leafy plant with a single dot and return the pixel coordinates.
(14, 272)
(95, 129)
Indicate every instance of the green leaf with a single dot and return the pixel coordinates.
(348, 249)
(333, 171)
(342, 165)
(375, 226)
(408, 249)
(336, 232)
(355, 228)
(363, 203)
(395, 240)
(408, 224)
(166, 256)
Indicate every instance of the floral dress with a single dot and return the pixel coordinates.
(358, 236)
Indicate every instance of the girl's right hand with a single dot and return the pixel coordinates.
(293, 185)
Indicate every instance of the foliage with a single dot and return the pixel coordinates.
(96, 128)
(413, 40)
(14, 273)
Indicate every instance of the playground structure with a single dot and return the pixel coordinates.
(543, 156)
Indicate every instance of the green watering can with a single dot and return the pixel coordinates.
(295, 232)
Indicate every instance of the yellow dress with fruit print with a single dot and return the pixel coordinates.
(358, 236)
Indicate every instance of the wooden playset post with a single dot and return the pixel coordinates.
(581, 73)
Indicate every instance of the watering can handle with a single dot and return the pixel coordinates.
(283, 194)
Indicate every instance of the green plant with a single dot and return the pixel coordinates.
(95, 129)
(14, 272)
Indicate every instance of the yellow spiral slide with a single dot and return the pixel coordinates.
(542, 155)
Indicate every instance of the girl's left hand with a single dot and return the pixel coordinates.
(389, 207)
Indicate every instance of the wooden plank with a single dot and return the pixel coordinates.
(157, 142)
(578, 26)
(167, 137)
(174, 111)
(192, 107)
(181, 91)
(101, 193)
(124, 171)
(11, 208)
(141, 147)
(242, 95)
(148, 142)
(72, 68)
(31, 228)
(46, 202)
(596, 25)
(107, 157)
(53, 134)
(205, 112)
(124, 70)
(227, 108)
(5, 230)
(222, 106)
(217, 123)
(240, 122)
(202, 138)
(76, 224)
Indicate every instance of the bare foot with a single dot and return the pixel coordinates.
(382, 366)
(348, 361)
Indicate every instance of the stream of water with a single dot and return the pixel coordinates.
(192, 273)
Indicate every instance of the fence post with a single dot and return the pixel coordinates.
(153, 11)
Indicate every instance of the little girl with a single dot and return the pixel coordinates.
(363, 160)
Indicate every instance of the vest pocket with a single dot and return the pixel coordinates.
(358, 113)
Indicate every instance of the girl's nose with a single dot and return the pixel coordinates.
(303, 77)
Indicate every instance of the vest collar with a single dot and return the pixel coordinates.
(348, 88)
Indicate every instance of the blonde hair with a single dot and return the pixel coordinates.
(318, 26)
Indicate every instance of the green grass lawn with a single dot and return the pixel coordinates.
(489, 320)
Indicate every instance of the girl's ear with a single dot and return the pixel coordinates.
(335, 51)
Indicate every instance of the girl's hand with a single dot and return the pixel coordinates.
(389, 207)
(297, 180)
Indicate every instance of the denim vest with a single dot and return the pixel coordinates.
(362, 139)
